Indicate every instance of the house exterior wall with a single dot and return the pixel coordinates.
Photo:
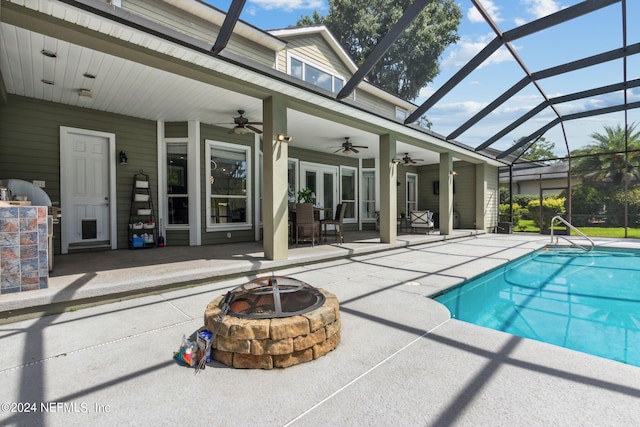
(427, 175)
(30, 148)
(549, 186)
(382, 107)
(464, 197)
(194, 26)
(315, 49)
(492, 198)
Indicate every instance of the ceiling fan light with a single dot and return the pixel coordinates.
(239, 130)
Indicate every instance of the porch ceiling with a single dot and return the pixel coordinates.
(132, 88)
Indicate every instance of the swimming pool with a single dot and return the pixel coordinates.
(585, 301)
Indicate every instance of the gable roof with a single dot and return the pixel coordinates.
(332, 42)
(324, 32)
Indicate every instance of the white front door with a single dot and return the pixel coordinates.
(87, 195)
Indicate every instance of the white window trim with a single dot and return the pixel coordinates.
(296, 172)
(211, 144)
(406, 204)
(315, 65)
(355, 190)
(259, 194)
(165, 195)
(375, 187)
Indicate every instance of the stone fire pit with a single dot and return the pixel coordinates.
(277, 342)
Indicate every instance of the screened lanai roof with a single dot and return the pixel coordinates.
(558, 69)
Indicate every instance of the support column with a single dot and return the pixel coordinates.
(446, 193)
(275, 213)
(388, 189)
(481, 196)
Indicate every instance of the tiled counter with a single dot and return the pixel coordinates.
(24, 264)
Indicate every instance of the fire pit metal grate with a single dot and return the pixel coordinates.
(274, 297)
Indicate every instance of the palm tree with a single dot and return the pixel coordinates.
(604, 159)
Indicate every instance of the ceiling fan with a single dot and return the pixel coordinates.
(407, 160)
(243, 125)
(348, 147)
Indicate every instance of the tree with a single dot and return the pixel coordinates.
(412, 61)
(539, 150)
(586, 202)
(605, 160)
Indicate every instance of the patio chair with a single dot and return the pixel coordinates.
(337, 224)
(306, 222)
(422, 219)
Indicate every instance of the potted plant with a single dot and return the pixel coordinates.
(304, 195)
(402, 213)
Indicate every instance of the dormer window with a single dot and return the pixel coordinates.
(314, 75)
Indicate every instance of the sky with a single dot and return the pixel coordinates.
(581, 37)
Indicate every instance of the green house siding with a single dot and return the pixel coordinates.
(376, 104)
(30, 148)
(197, 27)
(464, 198)
(314, 49)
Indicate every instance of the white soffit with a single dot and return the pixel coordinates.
(140, 38)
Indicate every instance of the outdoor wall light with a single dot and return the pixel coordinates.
(284, 138)
(123, 158)
(395, 162)
(454, 173)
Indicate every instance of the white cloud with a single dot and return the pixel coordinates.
(466, 108)
(540, 8)
(494, 12)
(467, 49)
(520, 21)
(289, 5)
(425, 93)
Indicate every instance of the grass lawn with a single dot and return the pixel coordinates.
(609, 232)
(527, 226)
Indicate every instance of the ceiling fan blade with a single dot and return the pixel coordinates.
(360, 146)
(254, 123)
(354, 150)
(418, 160)
(338, 150)
(255, 129)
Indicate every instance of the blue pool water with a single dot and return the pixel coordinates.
(585, 301)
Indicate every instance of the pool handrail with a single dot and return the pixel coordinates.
(568, 224)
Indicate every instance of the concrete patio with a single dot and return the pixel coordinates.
(401, 359)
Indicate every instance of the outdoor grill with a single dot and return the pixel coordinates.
(273, 322)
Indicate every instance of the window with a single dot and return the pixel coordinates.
(368, 194)
(228, 189)
(315, 75)
(292, 177)
(348, 185)
(412, 192)
(177, 191)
